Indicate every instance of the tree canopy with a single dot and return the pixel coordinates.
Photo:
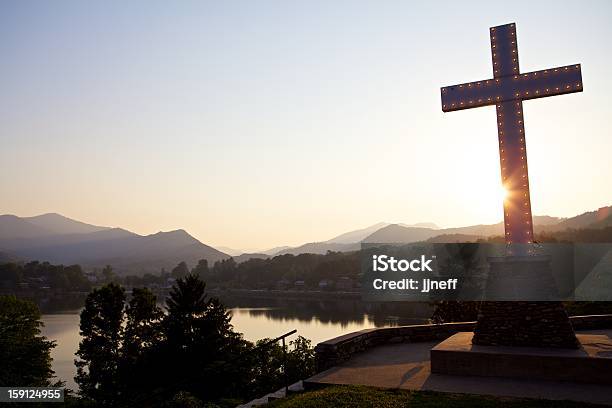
(24, 354)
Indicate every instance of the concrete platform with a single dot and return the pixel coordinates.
(407, 366)
(592, 363)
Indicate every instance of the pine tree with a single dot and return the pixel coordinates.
(100, 348)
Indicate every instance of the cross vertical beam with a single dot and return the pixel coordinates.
(514, 173)
(511, 137)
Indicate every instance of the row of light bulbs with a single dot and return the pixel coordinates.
(544, 72)
(517, 95)
(525, 184)
(494, 48)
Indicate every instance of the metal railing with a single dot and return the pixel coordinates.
(283, 337)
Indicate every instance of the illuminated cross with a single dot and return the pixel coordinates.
(506, 90)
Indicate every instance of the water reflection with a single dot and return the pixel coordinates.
(64, 329)
(338, 312)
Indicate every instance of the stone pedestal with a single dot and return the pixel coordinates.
(591, 363)
(542, 322)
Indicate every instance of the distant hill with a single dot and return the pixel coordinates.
(57, 239)
(320, 248)
(12, 227)
(395, 233)
(60, 240)
(453, 238)
(593, 219)
(245, 257)
(421, 225)
(400, 234)
(254, 253)
(349, 241)
(7, 257)
(358, 235)
(275, 250)
(403, 233)
(58, 224)
(230, 251)
(45, 225)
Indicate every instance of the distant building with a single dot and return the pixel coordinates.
(282, 284)
(345, 283)
(91, 277)
(326, 284)
(299, 284)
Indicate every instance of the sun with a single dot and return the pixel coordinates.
(503, 193)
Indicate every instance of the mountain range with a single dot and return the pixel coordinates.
(57, 239)
(61, 240)
(401, 233)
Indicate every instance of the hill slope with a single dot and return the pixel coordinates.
(96, 247)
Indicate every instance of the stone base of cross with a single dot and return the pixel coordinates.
(514, 322)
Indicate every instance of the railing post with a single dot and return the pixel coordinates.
(285, 368)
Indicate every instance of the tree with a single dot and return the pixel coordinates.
(99, 349)
(108, 275)
(143, 324)
(201, 269)
(200, 340)
(193, 345)
(269, 361)
(142, 336)
(180, 271)
(10, 275)
(224, 270)
(186, 307)
(24, 354)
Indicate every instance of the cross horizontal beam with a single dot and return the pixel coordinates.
(531, 85)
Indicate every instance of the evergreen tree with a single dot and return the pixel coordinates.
(200, 340)
(143, 324)
(201, 269)
(100, 347)
(180, 271)
(108, 275)
(143, 335)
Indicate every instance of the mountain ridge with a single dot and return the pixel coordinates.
(404, 233)
(54, 240)
(58, 239)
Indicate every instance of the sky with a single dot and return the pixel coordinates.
(257, 124)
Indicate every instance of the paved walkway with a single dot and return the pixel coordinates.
(407, 366)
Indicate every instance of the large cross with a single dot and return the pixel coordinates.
(506, 90)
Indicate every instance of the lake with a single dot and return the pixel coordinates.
(317, 320)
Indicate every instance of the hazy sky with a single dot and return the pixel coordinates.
(256, 124)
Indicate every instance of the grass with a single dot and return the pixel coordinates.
(359, 396)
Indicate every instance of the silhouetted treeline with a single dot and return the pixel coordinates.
(587, 235)
(138, 354)
(304, 271)
(42, 275)
(578, 235)
(284, 271)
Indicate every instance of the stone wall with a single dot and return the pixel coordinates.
(333, 352)
(530, 324)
